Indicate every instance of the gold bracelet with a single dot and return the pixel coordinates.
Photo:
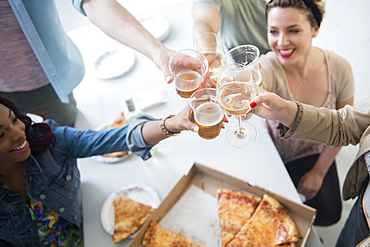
(164, 128)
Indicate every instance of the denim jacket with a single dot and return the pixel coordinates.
(58, 56)
(54, 177)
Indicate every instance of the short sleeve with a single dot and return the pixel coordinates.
(206, 3)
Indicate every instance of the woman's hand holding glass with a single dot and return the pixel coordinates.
(207, 114)
(235, 91)
(247, 55)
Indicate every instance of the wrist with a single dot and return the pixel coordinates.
(168, 126)
(289, 113)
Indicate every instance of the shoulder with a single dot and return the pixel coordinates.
(336, 62)
(62, 133)
(206, 3)
(269, 60)
(270, 65)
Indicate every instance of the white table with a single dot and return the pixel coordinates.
(98, 102)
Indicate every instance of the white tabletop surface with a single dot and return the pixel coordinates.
(99, 101)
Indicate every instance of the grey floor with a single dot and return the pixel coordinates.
(345, 30)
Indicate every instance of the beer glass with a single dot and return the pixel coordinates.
(212, 47)
(247, 55)
(189, 67)
(208, 114)
(235, 91)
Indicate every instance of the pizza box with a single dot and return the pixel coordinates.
(209, 180)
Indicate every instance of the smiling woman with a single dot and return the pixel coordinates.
(39, 173)
(297, 71)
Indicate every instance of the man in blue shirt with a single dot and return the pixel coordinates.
(39, 64)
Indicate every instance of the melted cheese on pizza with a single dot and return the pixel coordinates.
(234, 209)
(270, 225)
(156, 236)
(129, 216)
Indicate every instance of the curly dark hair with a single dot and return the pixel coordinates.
(39, 135)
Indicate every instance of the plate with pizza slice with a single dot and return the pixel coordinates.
(141, 199)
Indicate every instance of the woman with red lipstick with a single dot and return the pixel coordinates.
(40, 196)
(297, 71)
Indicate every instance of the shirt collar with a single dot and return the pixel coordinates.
(32, 166)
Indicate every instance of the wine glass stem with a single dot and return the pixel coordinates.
(240, 132)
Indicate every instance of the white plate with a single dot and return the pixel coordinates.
(109, 160)
(114, 63)
(137, 192)
(156, 25)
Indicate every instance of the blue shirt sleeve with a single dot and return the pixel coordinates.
(78, 5)
(135, 140)
(86, 143)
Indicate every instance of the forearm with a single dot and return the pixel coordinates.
(288, 113)
(206, 19)
(121, 25)
(153, 133)
(325, 160)
(201, 27)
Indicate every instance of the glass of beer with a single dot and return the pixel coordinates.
(247, 55)
(189, 67)
(208, 114)
(235, 91)
(212, 47)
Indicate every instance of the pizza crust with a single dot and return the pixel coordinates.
(129, 216)
(234, 209)
(156, 236)
(270, 225)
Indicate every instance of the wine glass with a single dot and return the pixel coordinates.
(189, 67)
(247, 55)
(235, 91)
(212, 47)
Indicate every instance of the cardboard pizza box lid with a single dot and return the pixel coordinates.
(209, 180)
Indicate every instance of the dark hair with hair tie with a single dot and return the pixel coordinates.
(311, 5)
(315, 11)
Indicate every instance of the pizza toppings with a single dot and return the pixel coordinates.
(156, 236)
(129, 216)
(270, 225)
(234, 209)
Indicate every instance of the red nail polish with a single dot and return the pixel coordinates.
(253, 104)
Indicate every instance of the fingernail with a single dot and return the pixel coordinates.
(253, 104)
(228, 115)
(168, 78)
(245, 116)
(195, 128)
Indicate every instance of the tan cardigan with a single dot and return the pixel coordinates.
(349, 125)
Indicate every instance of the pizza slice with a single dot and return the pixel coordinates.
(270, 225)
(156, 236)
(129, 216)
(234, 209)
